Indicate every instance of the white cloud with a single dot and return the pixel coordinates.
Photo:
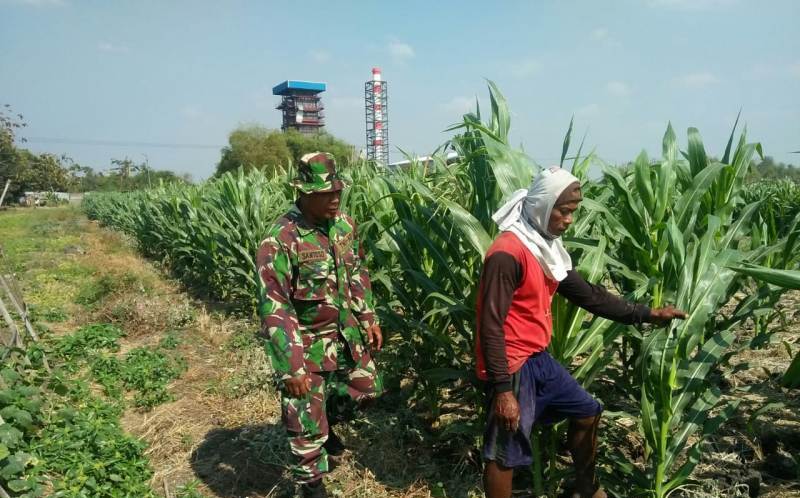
(525, 68)
(695, 80)
(618, 88)
(459, 105)
(320, 55)
(600, 33)
(112, 48)
(602, 36)
(691, 4)
(400, 51)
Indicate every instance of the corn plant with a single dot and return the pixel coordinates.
(677, 228)
(777, 216)
(786, 279)
(206, 234)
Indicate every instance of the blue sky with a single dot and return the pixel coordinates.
(174, 72)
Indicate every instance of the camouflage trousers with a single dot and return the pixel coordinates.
(333, 398)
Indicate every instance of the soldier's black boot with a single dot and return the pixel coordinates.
(334, 446)
(315, 489)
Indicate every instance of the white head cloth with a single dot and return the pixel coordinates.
(527, 214)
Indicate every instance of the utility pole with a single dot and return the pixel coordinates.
(3, 196)
(147, 169)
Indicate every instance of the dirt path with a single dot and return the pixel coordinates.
(221, 435)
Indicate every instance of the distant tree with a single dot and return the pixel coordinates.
(254, 146)
(147, 178)
(27, 171)
(10, 124)
(124, 176)
(769, 169)
(124, 167)
(300, 144)
(37, 172)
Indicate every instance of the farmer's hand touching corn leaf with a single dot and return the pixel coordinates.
(662, 316)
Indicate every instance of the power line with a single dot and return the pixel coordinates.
(120, 143)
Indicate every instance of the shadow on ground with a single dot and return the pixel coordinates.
(388, 442)
(395, 446)
(244, 461)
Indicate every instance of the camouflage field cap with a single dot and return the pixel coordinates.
(317, 173)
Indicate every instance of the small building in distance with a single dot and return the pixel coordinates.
(301, 105)
(45, 198)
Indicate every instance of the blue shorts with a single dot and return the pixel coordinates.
(546, 394)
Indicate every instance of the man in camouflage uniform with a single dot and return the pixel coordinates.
(318, 323)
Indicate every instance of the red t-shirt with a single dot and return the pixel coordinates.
(528, 323)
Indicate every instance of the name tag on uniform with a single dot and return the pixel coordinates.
(311, 255)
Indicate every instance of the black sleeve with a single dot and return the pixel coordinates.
(500, 279)
(597, 300)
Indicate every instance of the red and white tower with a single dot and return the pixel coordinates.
(375, 97)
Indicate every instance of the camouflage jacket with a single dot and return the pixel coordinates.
(313, 289)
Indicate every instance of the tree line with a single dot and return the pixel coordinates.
(250, 146)
(46, 172)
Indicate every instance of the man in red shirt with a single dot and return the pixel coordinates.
(523, 268)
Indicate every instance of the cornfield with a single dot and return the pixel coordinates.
(681, 228)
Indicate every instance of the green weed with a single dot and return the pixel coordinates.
(52, 314)
(143, 371)
(88, 339)
(147, 372)
(189, 490)
(169, 341)
(95, 290)
(86, 451)
(242, 340)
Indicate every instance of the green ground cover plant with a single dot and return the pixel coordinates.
(54, 430)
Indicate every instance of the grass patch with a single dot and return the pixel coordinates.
(242, 340)
(61, 433)
(47, 290)
(71, 271)
(34, 246)
(94, 291)
(51, 314)
(189, 490)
